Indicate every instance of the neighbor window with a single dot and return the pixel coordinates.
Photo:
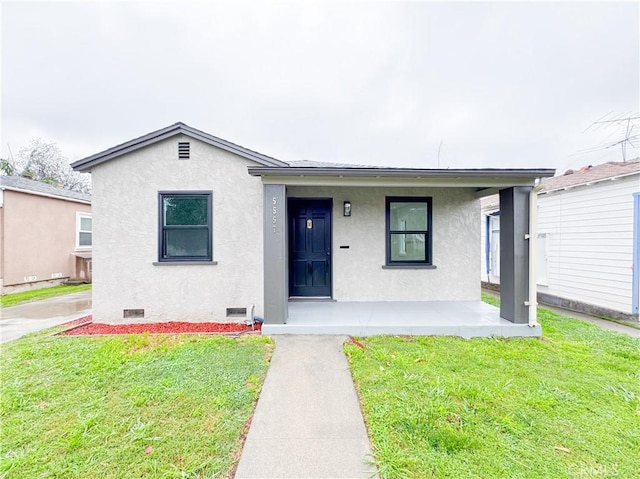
(185, 226)
(84, 231)
(408, 230)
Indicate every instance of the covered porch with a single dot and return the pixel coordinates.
(467, 319)
(342, 239)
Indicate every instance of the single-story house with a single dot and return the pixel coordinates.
(45, 235)
(190, 227)
(588, 240)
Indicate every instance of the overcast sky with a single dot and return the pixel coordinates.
(381, 83)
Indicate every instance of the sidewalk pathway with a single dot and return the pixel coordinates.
(16, 321)
(308, 422)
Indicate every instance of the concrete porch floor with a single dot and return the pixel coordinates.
(467, 319)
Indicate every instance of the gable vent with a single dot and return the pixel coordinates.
(183, 150)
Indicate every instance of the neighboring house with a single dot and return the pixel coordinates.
(190, 227)
(45, 234)
(588, 240)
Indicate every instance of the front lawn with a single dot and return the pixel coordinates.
(127, 406)
(567, 405)
(14, 299)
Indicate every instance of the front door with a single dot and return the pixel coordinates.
(309, 247)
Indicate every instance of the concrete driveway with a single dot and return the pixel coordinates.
(16, 321)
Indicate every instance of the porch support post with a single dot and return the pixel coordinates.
(514, 253)
(275, 254)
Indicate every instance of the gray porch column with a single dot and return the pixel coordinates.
(275, 254)
(514, 253)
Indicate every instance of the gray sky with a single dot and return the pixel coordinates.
(382, 83)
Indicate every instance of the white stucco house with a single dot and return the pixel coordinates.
(190, 227)
(588, 240)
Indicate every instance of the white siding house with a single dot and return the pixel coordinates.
(588, 240)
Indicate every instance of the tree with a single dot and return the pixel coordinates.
(42, 160)
(6, 167)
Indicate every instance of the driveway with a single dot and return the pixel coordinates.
(16, 321)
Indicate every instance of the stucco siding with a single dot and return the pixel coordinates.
(125, 197)
(39, 238)
(590, 242)
(357, 271)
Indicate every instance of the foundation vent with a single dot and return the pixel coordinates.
(236, 312)
(183, 150)
(133, 313)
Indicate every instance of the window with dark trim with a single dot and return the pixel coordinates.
(408, 230)
(185, 232)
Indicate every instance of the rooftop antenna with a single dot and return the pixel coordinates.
(10, 154)
(439, 148)
(627, 123)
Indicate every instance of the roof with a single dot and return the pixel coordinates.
(25, 185)
(270, 167)
(590, 174)
(323, 164)
(179, 128)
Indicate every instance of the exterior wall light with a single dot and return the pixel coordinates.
(347, 208)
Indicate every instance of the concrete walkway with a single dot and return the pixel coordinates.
(308, 422)
(16, 321)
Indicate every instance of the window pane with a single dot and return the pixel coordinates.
(408, 247)
(187, 243)
(85, 224)
(185, 211)
(408, 216)
(84, 239)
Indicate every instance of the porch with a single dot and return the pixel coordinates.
(467, 319)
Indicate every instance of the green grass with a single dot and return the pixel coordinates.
(42, 293)
(83, 407)
(565, 406)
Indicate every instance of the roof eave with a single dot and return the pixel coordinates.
(402, 172)
(87, 163)
(46, 195)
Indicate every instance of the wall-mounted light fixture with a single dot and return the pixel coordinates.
(347, 208)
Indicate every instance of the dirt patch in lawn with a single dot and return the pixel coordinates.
(84, 327)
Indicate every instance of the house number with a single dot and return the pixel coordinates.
(274, 211)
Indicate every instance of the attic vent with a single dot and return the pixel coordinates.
(183, 150)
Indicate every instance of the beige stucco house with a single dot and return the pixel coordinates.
(45, 234)
(190, 227)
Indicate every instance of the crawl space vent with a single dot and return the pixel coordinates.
(236, 312)
(133, 313)
(183, 150)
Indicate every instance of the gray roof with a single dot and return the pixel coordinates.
(270, 166)
(179, 128)
(18, 183)
(324, 164)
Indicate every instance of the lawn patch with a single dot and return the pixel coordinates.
(127, 406)
(42, 293)
(564, 406)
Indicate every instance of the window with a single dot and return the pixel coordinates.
(84, 231)
(408, 230)
(184, 226)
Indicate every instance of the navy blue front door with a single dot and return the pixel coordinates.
(309, 247)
